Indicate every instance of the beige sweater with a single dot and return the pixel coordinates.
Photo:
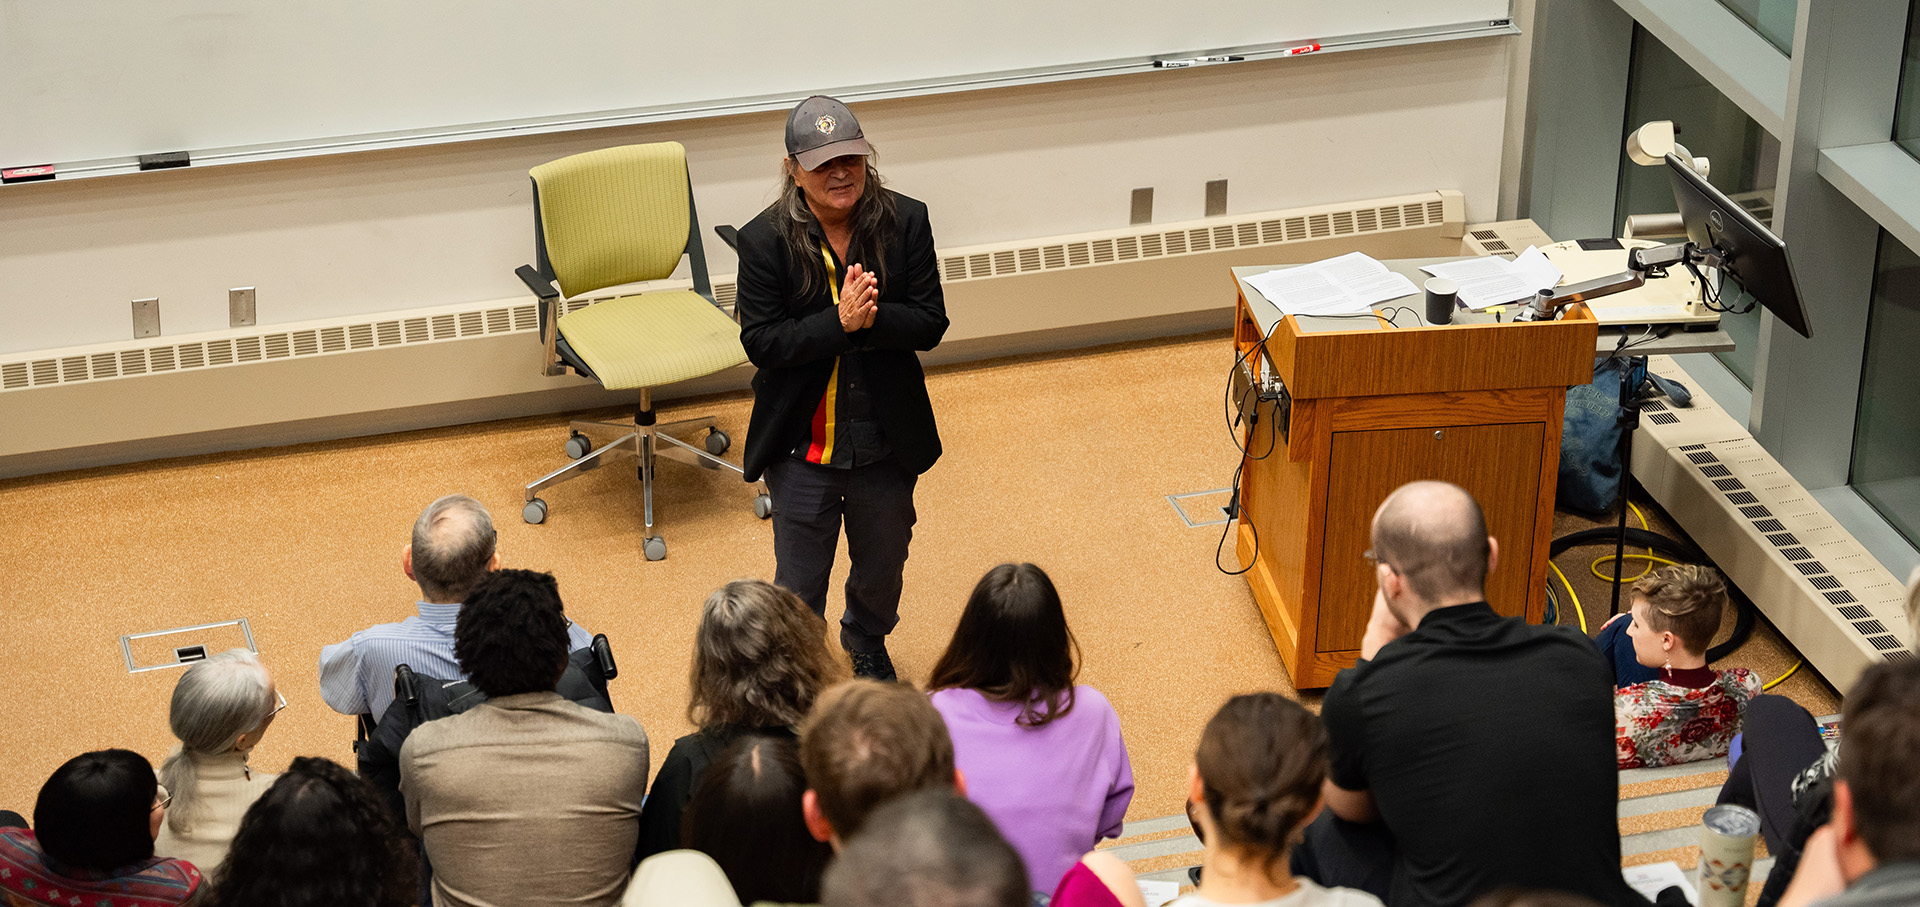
(227, 787)
(526, 800)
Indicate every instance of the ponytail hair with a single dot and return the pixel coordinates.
(216, 702)
(1261, 761)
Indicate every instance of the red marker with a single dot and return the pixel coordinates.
(1302, 49)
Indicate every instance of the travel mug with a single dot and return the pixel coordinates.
(1726, 855)
(1441, 294)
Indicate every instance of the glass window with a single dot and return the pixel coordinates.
(1745, 159)
(1906, 118)
(1773, 19)
(1886, 459)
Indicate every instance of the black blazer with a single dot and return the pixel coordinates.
(793, 341)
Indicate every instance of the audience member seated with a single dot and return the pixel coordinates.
(865, 743)
(680, 878)
(526, 792)
(92, 840)
(1869, 854)
(452, 550)
(1687, 711)
(1042, 756)
(319, 837)
(745, 814)
(1100, 879)
(931, 848)
(760, 659)
(1785, 772)
(221, 708)
(1467, 751)
(1514, 897)
(1254, 784)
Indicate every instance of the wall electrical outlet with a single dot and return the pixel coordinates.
(146, 317)
(1216, 198)
(240, 307)
(1142, 206)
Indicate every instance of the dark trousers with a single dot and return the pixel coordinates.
(1336, 852)
(1617, 647)
(1779, 739)
(875, 502)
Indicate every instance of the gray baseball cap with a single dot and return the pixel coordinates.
(820, 129)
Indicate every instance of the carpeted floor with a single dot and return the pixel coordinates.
(1063, 460)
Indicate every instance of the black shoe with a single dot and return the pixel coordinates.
(875, 664)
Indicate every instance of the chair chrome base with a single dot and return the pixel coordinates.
(647, 442)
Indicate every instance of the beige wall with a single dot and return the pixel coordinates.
(384, 231)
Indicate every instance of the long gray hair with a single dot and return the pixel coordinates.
(759, 658)
(216, 702)
(873, 218)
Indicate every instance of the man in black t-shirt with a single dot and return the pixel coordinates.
(1469, 751)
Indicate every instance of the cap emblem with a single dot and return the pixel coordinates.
(825, 125)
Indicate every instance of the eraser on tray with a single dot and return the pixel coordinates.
(26, 174)
(165, 160)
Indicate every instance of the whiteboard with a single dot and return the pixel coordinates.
(103, 80)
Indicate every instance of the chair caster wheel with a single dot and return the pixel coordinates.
(535, 512)
(718, 442)
(578, 445)
(763, 505)
(655, 548)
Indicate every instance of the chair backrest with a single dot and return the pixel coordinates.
(613, 216)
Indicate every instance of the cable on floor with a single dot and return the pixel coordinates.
(1572, 596)
(1777, 680)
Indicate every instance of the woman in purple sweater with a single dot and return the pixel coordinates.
(1042, 757)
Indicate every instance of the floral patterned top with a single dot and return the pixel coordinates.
(1660, 723)
(27, 879)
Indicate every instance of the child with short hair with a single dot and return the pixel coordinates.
(1684, 711)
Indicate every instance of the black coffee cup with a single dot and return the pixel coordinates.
(1441, 296)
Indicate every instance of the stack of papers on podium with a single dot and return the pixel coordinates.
(1492, 281)
(1348, 285)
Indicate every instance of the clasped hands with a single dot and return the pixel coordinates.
(859, 299)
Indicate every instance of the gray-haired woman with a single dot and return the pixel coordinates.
(759, 659)
(221, 708)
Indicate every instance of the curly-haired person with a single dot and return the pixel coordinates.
(318, 837)
(526, 792)
(760, 659)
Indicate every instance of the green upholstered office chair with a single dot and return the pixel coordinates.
(619, 216)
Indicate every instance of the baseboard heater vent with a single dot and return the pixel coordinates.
(1825, 592)
(326, 379)
(1258, 231)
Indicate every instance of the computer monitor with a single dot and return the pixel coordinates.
(1749, 252)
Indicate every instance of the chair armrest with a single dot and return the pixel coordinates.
(541, 286)
(603, 654)
(729, 235)
(406, 686)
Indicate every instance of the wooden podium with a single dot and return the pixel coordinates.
(1479, 405)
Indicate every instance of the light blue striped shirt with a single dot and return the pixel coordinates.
(356, 676)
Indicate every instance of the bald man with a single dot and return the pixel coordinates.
(1468, 751)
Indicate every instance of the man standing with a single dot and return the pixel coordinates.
(1469, 751)
(838, 288)
(452, 551)
(526, 798)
